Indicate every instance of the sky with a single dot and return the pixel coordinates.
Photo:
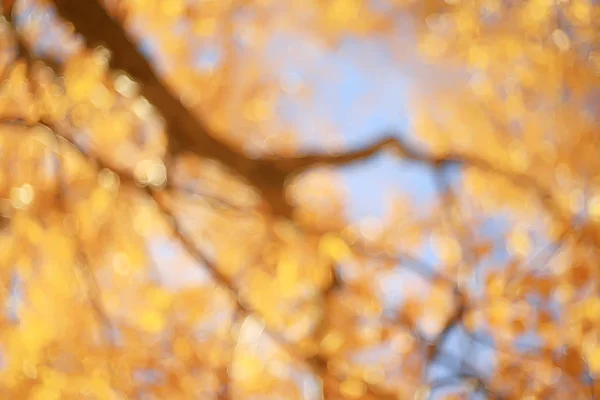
(362, 96)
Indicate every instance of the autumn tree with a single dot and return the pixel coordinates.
(167, 235)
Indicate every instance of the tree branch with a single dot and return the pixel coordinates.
(393, 143)
(267, 175)
(185, 131)
(435, 348)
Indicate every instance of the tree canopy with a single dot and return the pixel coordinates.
(165, 233)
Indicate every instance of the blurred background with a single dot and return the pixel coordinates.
(317, 199)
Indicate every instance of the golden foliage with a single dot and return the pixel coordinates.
(136, 262)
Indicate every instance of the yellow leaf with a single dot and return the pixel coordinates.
(449, 249)
(159, 298)
(332, 342)
(519, 243)
(182, 349)
(288, 273)
(353, 389)
(342, 13)
(499, 313)
(591, 308)
(152, 321)
(46, 393)
(247, 369)
(335, 247)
